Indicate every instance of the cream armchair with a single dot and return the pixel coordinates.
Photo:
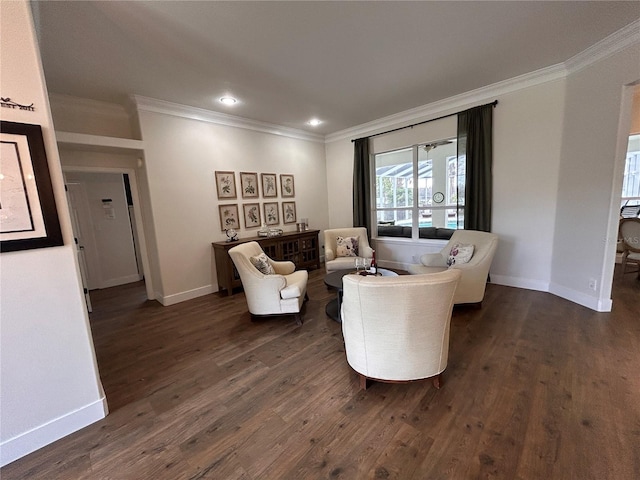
(280, 293)
(397, 328)
(630, 237)
(474, 273)
(332, 261)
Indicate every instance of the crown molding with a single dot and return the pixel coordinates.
(606, 47)
(452, 104)
(153, 105)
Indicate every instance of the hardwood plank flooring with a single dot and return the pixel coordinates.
(536, 388)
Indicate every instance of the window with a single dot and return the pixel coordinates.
(419, 189)
(631, 182)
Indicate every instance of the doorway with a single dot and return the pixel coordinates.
(105, 209)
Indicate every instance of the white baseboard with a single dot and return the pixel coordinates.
(114, 282)
(167, 300)
(594, 303)
(519, 282)
(36, 438)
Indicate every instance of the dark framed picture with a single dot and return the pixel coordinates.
(249, 185)
(229, 217)
(269, 186)
(28, 214)
(251, 215)
(226, 185)
(287, 187)
(271, 213)
(289, 212)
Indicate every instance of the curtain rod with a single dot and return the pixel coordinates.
(494, 103)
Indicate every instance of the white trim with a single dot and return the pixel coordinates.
(606, 47)
(589, 301)
(519, 282)
(153, 105)
(38, 437)
(451, 104)
(184, 296)
(99, 142)
(114, 282)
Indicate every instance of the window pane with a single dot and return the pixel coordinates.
(394, 179)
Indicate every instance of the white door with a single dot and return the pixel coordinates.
(83, 233)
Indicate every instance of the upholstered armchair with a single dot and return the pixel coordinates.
(397, 328)
(333, 260)
(279, 291)
(629, 233)
(474, 271)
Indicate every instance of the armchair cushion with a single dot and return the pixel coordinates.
(460, 253)
(261, 262)
(347, 246)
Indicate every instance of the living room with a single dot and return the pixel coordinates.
(555, 205)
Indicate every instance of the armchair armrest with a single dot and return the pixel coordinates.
(366, 252)
(433, 260)
(283, 267)
(329, 254)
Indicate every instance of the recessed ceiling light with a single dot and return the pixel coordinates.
(314, 122)
(228, 100)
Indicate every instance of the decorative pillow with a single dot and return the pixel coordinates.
(460, 253)
(347, 246)
(261, 262)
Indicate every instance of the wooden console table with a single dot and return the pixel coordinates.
(301, 248)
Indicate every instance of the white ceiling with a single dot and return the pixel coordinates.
(346, 63)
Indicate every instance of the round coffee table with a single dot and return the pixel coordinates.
(334, 280)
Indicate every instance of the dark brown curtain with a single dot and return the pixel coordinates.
(361, 185)
(475, 141)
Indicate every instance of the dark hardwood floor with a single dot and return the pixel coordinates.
(536, 388)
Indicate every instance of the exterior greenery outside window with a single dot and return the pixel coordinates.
(419, 189)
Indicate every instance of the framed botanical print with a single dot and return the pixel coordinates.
(251, 215)
(289, 212)
(29, 217)
(249, 185)
(271, 213)
(226, 185)
(269, 188)
(229, 217)
(287, 188)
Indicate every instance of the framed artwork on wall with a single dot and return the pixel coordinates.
(269, 187)
(287, 187)
(226, 185)
(271, 213)
(249, 185)
(289, 212)
(251, 215)
(27, 203)
(229, 217)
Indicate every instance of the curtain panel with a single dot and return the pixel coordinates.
(361, 185)
(475, 141)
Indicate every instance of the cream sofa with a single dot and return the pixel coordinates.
(397, 328)
(331, 260)
(280, 293)
(474, 273)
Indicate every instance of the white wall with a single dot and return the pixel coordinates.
(49, 384)
(593, 149)
(114, 249)
(527, 132)
(181, 156)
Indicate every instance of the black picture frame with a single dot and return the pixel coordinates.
(25, 144)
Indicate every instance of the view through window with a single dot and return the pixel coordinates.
(419, 189)
(631, 181)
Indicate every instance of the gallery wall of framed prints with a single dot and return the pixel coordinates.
(253, 187)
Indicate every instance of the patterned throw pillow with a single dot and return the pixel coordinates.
(347, 246)
(460, 253)
(261, 262)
